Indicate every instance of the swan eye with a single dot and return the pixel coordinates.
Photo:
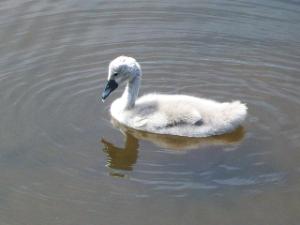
(115, 74)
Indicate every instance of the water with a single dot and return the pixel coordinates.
(62, 160)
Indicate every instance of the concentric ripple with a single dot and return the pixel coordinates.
(53, 126)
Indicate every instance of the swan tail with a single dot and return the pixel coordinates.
(235, 113)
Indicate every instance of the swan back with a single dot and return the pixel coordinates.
(181, 115)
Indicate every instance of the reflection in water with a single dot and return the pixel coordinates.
(53, 62)
(122, 158)
(173, 142)
(125, 158)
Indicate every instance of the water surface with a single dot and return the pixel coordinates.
(62, 161)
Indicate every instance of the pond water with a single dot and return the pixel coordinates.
(62, 159)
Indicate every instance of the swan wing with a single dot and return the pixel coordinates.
(139, 122)
(166, 111)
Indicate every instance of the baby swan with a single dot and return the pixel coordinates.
(167, 114)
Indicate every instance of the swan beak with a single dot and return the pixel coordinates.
(110, 86)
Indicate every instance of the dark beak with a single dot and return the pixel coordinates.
(110, 86)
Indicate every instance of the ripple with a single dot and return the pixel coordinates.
(54, 61)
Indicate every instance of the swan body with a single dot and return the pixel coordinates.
(180, 115)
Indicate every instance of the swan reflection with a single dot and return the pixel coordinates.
(124, 158)
(121, 158)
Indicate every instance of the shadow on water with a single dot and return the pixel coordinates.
(124, 158)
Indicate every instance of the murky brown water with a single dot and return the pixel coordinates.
(63, 162)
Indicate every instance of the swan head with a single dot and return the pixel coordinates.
(121, 69)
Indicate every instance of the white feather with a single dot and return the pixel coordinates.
(171, 114)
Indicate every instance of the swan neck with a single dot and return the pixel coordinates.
(131, 92)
